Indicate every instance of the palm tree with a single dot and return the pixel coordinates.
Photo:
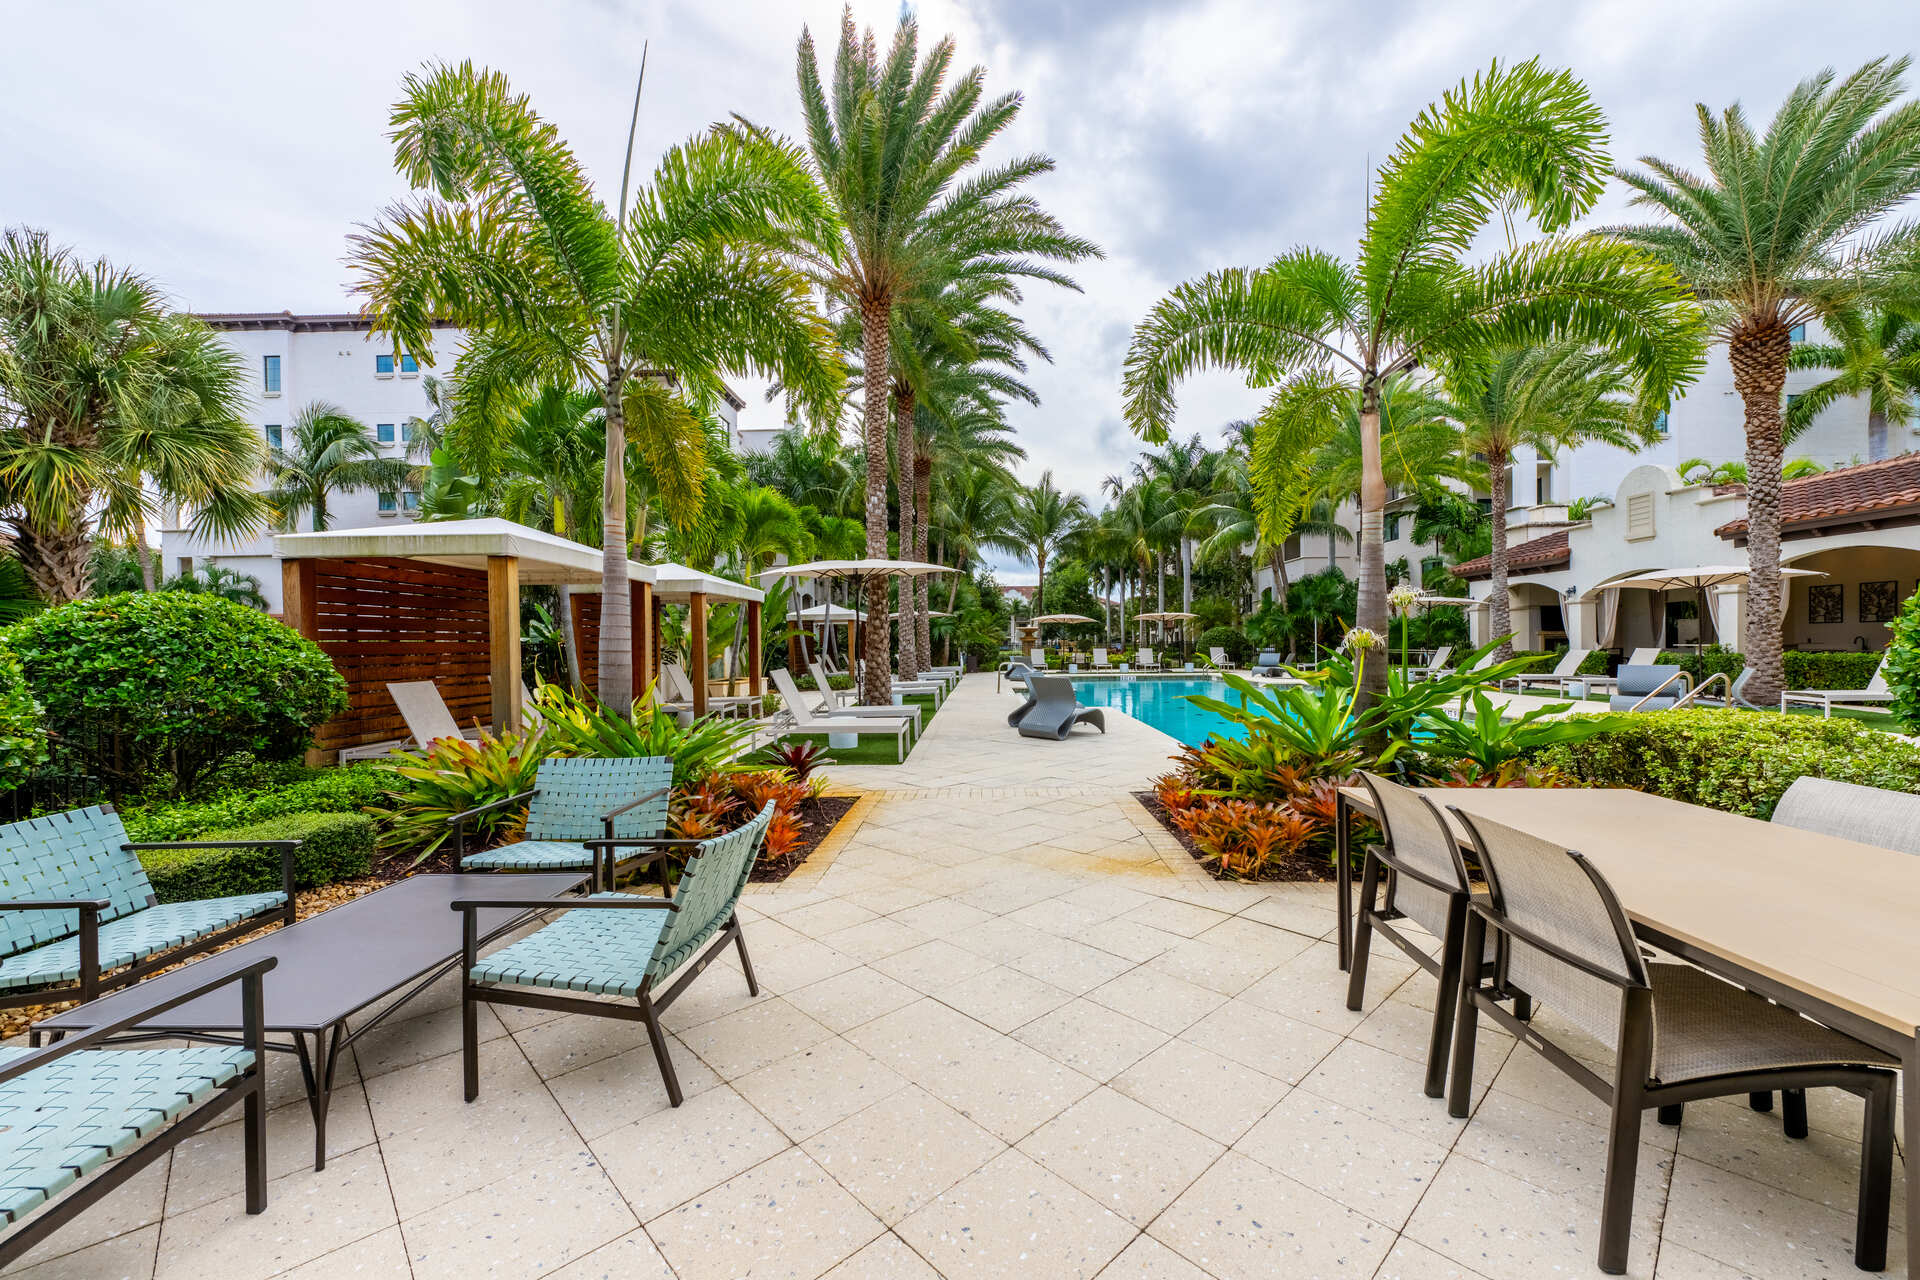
(1773, 235)
(889, 144)
(218, 580)
(107, 401)
(1877, 356)
(546, 466)
(509, 241)
(1545, 398)
(1042, 516)
(1518, 139)
(328, 452)
(973, 512)
(1185, 472)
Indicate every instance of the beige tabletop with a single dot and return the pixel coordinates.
(1837, 920)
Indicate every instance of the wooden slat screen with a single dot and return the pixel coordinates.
(586, 632)
(391, 619)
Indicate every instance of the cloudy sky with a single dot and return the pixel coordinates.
(227, 149)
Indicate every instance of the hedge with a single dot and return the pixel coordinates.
(23, 729)
(342, 790)
(335, 846)
(1234, 641)
(1739, 761)
(1803, 670)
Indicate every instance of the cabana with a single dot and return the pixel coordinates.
(678, 584)
(437, 601)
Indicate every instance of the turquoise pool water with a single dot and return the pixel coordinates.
(1162, 703)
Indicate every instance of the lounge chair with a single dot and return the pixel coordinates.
(806, 720)
(1425, 881)
(618, 945)
(1051, 710)
(76, 1115)
(1037, 659)
(1267, 664)
(933, 687)
(1562, 672)
(576, 811)
(836, 702)
(1217, 656)
(426, 716)
(1634, 684)
(1434, 665)
(1643, 657)
(1828, 699)
(1101, 661)
(680, 695)
(1145, 659)
(1677, 1034)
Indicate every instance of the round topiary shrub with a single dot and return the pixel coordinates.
(1232, 639)
(1902, 666)
(147, 688)
(23, 729)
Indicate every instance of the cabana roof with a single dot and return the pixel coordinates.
(545, 559)
(675, 583)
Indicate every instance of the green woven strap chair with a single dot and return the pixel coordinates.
(619, 945)
(69, 1110)
(77, 904)
(579, 813)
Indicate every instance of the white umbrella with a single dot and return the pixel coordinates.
(931, 613)
(1431, 602)
(1697, 578)
(1169, 615)
(1060, 617)
(856, 573)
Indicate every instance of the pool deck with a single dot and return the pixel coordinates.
(1007, 1029)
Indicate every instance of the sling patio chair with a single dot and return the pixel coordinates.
(1435, 665)
(1425, 881)
(1827, 699)
(1051, 710)
(1144, 659)
(1562, 671)
(837, 702)
(426, 716)
(578, 813)
(615, 945)
(806, 720)
(1677, 1033)
(1100, 660)
(1217, 656)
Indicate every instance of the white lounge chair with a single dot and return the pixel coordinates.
(426, 716)
(829, 701)
(1100, 660)
(1217, 656)
(806, 720)
(1562, 672)
(1828, 699)
(1037, 659)
(1144, 660)
(1435, 664)
(680, 695)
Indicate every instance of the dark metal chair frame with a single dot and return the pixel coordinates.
(1382, 863)
(1630, 1092)
(605, 866)
(248, 1087)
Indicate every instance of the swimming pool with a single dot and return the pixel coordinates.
(1162, 702)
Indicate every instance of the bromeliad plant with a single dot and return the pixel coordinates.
(453, 775)
(582, 726)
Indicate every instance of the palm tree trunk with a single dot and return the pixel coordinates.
(319, 510)
(1280, 576)
(1500, 620)
(616, 682)
(1371, 612)
(923, 522)
(876, 684)
(54, 560)
(907, 459)
(142, 552)
(1186, 576)
(1757, 350)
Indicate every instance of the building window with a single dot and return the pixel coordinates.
(385, 432)
(186, 566)
(270, 374)
(406, 432)
(1290, 550)
(273, 435)
(383, 366)
(1543, 485)
(1393, 527)
(388, 504)
(409, 365)
(409, 501)
(1661, 423)
(1797, 334)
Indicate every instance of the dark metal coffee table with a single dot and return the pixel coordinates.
(331, 966)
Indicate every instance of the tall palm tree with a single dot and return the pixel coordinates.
(1042, 516)
(105, 394)
(1773, 235)
(1545, 398)
(1516, 139)
(890, 143)
(509, 240)
(973, 513)
(1877, 356)
(328, 451)
(1185, 471)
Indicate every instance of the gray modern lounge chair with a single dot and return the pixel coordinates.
(1267, 664)
(615, 945)
(1051, 710)
(1677, 1033)
(1635, 686)
(1426, 882)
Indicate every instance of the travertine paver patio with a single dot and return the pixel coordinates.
(1007, 1029)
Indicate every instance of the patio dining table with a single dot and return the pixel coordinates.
(1821, 925)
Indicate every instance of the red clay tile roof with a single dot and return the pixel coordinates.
(1844, 494)
(1548, 552)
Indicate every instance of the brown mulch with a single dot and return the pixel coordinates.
(1315, 867)
(820, 816)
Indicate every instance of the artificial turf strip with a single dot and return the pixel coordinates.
(874, 749)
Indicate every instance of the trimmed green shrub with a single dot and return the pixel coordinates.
(1739, 761)
(335, 846)
(23, 729)
(1803, 670)
(1232, 639)
(344, 790)
(1903, 666)
(161, 685)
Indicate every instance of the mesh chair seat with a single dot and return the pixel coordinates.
(62, 1121)
(532, 855)
(1426, 906)
(1704, 1027)
(604, 953)
(135, 937)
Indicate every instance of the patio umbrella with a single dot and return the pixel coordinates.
(896, 615)
(1698, 579)
(857, 574)
(1163, 617)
